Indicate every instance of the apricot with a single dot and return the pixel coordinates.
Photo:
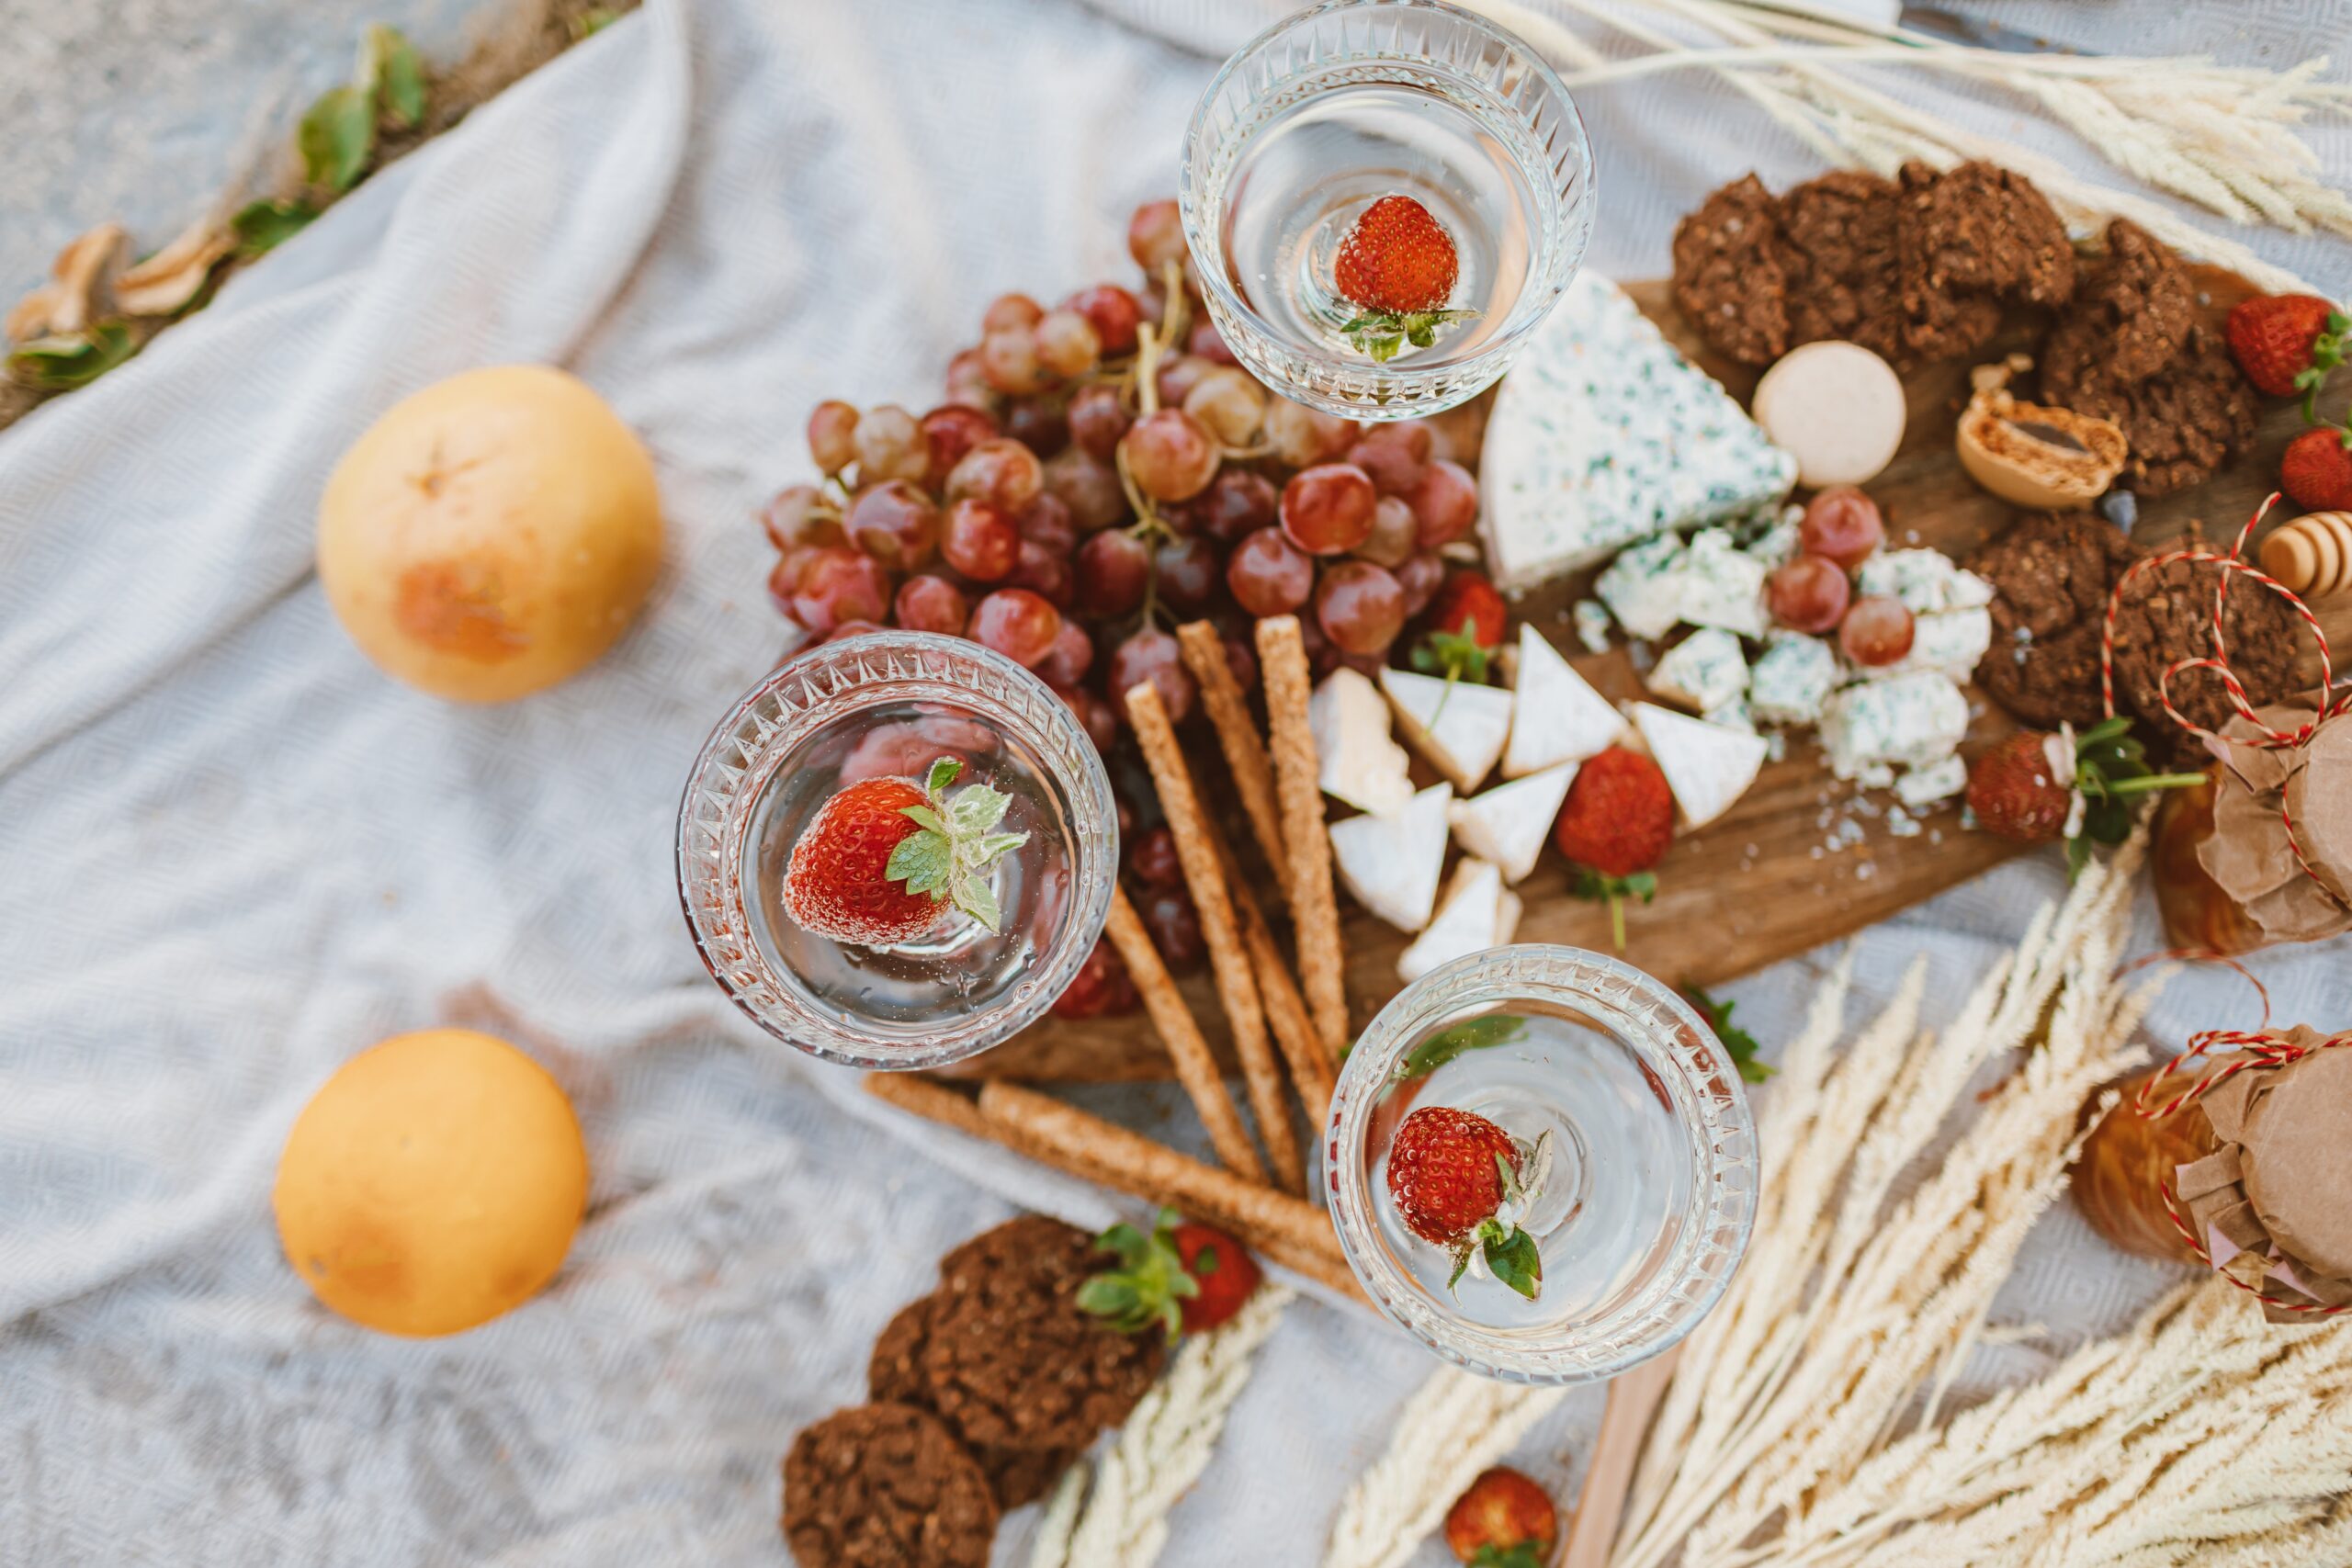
(491, 535)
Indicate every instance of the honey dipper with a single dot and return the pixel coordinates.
(2312, 554)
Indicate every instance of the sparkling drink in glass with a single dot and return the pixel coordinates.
(1631, 1177)
(895, 704)
(1341, 109)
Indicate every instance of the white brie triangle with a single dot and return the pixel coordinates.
(1356, 762)
(1706, 765)
(1558, 718)
(1509, 823)
(1468, 921)
(1461, 728)
(1391, 864)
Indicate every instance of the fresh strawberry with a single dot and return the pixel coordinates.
(2037, 789)
(2287, 344)
(1451, 1172)
(2317, 470)
(1397, 266)
(1617, 823)
(1467, 622)
(882, 857)
(1184, 1277)
(1504, 1520)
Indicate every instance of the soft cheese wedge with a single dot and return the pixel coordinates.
(1509, 823)
(1391, 864)
(1706, 765)
(1558, 717)
(1356, 761)
(1461, 728)
(1468, 921)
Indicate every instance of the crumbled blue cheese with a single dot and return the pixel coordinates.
(1950, 642)
(1705, 670)
(1591, 618)
(1925, 580)
(1733, 715)
(1777, 545)
(1604, 435)
(1925, 786)
(1792, 677)
(1914, 720)
(1717, 584)
(1641, 588)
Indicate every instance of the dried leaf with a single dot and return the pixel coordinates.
(175, 275)
(62, 361)
(388, 65)
(263, 226)
(81, 284)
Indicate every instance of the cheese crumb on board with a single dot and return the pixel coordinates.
(1391, 864)
(1591, 618)
(1604, 435)
(1925, 786)
(1705, 670)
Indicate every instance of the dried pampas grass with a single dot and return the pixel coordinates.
(2222, 137)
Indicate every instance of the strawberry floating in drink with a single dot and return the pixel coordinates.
(1461, 1182)
(1397, 266)
(886, 857)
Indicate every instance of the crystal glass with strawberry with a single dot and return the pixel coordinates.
(1542, 1164)
(1382, 199)
(897, 849)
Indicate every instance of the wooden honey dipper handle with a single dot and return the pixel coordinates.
(2312, 554)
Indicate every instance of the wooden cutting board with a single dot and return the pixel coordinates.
(1774, 876)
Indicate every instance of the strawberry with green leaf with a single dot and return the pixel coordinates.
(2037, 789)
(1503, 1521)
(1617, 823)
(882, 858)
(1397, 266)
(1185, 1278)
(1467, 622)
(1462, 1182)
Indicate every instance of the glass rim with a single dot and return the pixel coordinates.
(1722, 1215)
(1534, 303)
(748, 744)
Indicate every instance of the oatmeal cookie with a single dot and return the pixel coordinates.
(1980, 229)
(895, 1375)
(2052, 574)
(1843, 280)
(2166, 617)
(2133, 311)
(1730, 273)
(885, 1486)
(1009, 1357)
(2184, 423)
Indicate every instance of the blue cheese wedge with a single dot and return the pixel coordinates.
(1558, 718)
(1704, 670)
(1591, 618)
(1604, 435)
(1914, 721)
(1718, 584)
(1925, 786)
(1509, 823)
(1792, 679)
(1461, 727)
(1391, 864)
(1642, 589)
(1356, 761)
(1926, 580)
(1469, 919)
(1949, 642)
(1706, 765)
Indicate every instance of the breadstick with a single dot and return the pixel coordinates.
(1236, 735)
(1237, 985)
(1196, 1069)
(1315, 909)
(1285, 1009)
(1133, 1163)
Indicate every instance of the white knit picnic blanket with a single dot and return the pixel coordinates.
(231, 854)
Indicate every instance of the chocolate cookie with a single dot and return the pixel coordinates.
(1730, 273)
(2183, 422)
(1011, 1359)
(2166, 617)
(895, 1375)
(2050, 574)
(885, 1486)
(1980, 229)
(2133, 309)
(1843, 280)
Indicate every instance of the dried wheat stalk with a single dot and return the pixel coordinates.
(1453, 1426)
(2223, 138)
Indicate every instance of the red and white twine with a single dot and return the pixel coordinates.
(2232, 564)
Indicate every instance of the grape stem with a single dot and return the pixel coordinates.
(1142, 374)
